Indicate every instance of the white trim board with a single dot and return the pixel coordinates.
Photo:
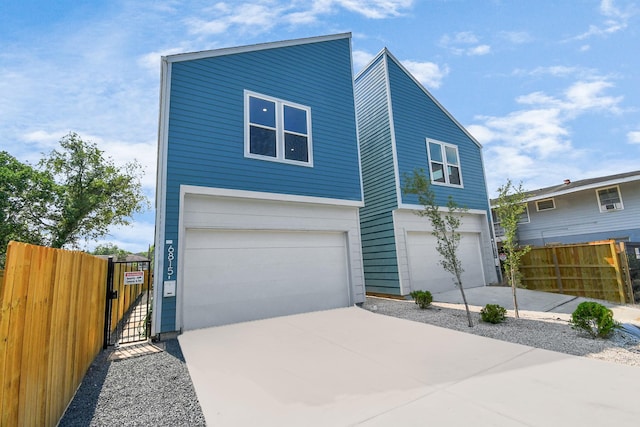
(258, 195)
(252, 48)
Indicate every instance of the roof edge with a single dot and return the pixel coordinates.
(433, 98)
(606, 181)
(189, 56)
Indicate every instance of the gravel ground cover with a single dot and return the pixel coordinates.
(150, 390)
(550, 331)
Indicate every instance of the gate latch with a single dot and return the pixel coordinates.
(113, 294)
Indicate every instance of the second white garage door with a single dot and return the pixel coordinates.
(233, 276)
(428, 274)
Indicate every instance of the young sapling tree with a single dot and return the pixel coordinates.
(445, 227)
(508, 209)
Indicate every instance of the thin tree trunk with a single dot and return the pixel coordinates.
(466, 306)
(513, 291)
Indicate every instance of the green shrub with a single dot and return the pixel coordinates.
(493, 313)
(594, 319)
(422, 298)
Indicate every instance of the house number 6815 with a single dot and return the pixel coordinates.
(170, 258)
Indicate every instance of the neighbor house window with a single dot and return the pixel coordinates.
(609, 199)
(545, 205)
(277, 130)
(523, 219)
(444, 163)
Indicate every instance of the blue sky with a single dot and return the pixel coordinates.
(550, 88)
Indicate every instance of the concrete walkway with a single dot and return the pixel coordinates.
(533, 301)
(349, 367)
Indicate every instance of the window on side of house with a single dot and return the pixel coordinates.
(524, 217)
(277, 130)
(609, 199)
(545, 205)
(444, 163)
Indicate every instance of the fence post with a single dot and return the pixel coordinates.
(556, 266)
(624, 263)
(616, 266)
(107, 307)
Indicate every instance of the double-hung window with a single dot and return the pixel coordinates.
(609, 199)
(444, 163)
(277, 130)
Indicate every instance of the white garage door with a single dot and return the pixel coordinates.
(239, 275)
(426, 271)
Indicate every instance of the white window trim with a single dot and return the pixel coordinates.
(444, 163)
(496, 223)
(526, 210)
(545, 200)
(280, 103)
(600, 206)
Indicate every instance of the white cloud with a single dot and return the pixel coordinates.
(429, 74)
(151, 60)
(633, 137)
(260, 17)
(534, 143)
(582, 73)
(375, 9)
(615, 20)
(482, 49)
(464, 43)
(360, 59)
(588, 95)
(516, 37)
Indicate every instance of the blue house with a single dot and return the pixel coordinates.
(402, 127)
(259, 184)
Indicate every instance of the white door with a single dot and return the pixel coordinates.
(424, 263)
(233, 276)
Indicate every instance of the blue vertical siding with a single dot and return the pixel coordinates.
(378, 175)
(417, 117)
(206, 127)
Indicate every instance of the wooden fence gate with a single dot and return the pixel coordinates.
(128, 308)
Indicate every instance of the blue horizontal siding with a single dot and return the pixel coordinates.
(378, 175)
(417, 117)
(206, 124)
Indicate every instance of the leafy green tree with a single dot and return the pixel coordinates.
(110, 249)
(95, 193)
(445, 227)
(509, 207)
(25, 197)
(73, 193)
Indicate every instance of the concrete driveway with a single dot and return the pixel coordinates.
(349, 366)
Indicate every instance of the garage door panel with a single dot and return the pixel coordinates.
(424, 262)
(239, 275)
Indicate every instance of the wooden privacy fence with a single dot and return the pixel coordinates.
(596, 270)
(52, 306)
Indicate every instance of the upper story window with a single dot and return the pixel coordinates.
(277, 130)
(444, 163)
(609, 199)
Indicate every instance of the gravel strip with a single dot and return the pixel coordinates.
(149, 390)
(549, 331)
